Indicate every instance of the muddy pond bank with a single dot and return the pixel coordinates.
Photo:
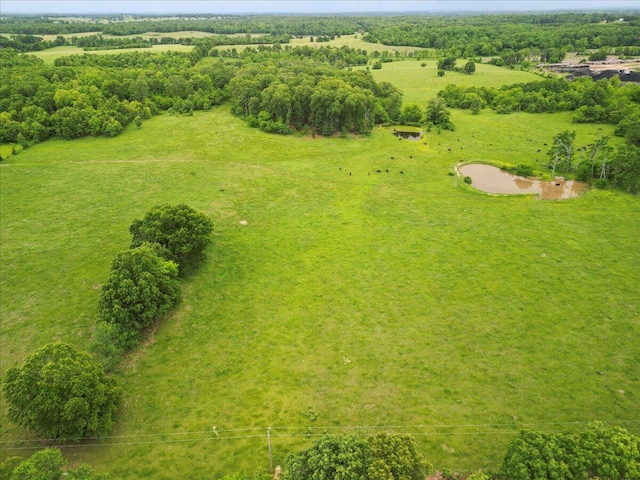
(491, 179)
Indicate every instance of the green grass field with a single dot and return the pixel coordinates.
(408, 302)
(419, 84)
(49, 55)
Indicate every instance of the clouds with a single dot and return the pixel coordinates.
(163, 7)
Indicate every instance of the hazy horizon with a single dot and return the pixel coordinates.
(163, 7)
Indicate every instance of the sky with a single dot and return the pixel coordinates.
(163, 7)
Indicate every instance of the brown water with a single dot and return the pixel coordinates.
(493, 180)
(409, 135)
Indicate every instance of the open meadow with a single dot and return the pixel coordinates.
(50, 55)
(352, 301)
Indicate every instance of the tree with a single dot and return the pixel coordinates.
(438, 115)
(412, 113)
(608, 454)
(625, 168)
(142, 287)
(331, 458)
(447, 63)
(562, 149)
(61, 393)
(179, 229)
(395, 457)
(470, 67)
(45, 464)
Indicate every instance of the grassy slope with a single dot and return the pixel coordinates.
(385, 299)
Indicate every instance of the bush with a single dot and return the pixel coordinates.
(467, 180)
(610, 454)
(61, 393)
(179, 229)
(45, 464)
(520, 169)
(142, 287)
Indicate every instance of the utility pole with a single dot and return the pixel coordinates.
(269, 443)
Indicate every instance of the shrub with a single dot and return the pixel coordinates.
(179, 229)
(142, 287)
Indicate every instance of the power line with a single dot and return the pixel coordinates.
(219, 435)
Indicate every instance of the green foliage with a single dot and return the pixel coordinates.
(110, 341)
(440, 73)
(45, 464)
(182, 232)
(331, 458)
(521, 169)
(447, 63)
(142, 287)
(382, 457)
(625, 168)
(412, 114)
(438, 115)
(61, 393)
(305, 94)
(469, 67)
(608, 454)
(599, 55)
(395, 457)
(561, 151)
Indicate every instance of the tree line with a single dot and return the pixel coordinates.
(509, 38)
(539, 37)
(100, 94)
(64, 394)
(304, 94)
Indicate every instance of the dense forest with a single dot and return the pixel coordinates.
(95, 95)
(528, 36)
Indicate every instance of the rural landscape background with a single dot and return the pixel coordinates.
(354, 284)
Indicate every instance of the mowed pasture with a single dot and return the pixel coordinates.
(352, 301)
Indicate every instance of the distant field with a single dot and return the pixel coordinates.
(158, 35)
(419, 84)
(352, 301)
(353, 42)
(50, 55)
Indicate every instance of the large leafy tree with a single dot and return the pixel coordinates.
(395, 457)
(182, 232)
(598, 452)
(331, 458)
(141, 288)
(61, 393)
(381, 457)
(438, 115)
(45, 464)
(625, 169)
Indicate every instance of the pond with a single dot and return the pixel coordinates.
(493, 180)
(408, 133)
